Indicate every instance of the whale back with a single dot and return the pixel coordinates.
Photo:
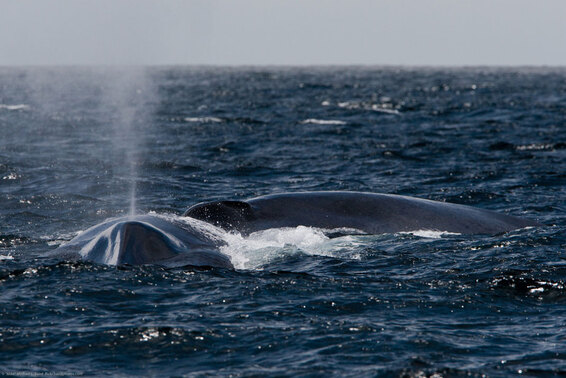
(370, 213)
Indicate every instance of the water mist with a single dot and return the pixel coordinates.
(126, 96)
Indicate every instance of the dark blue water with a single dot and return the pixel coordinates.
(77, 144)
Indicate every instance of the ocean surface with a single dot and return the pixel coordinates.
(80, 145)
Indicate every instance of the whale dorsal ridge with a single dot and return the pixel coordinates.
(224, 214)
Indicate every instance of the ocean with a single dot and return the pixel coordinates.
(79, 145)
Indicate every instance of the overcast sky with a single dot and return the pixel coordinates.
(283, 32)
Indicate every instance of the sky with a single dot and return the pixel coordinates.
(283, 32)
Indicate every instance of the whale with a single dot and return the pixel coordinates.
(168, 242)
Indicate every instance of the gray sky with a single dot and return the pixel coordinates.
(283, 32)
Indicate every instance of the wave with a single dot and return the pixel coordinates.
(315, 121)
(14, 107)
(523, 284)
(10, 240)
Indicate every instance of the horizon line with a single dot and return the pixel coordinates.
(298, 65)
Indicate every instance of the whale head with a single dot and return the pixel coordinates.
(146, 239)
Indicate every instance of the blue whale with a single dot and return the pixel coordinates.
(147, 239)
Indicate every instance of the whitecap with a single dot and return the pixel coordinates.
(14, 107)
(349, 105)
(203, 119)
(384, 109)
(535, 147)
(10, 176)
(429, 234)
(315, 121)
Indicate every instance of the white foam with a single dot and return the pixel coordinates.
(261, 247)
(381, 107)
(535, 147)
(10, 176)
(315, 121)
(14, 107)
(203, 119)
(349, 105)
(429, 234)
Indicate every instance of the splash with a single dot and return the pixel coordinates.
(262, 247)
(259, 249)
